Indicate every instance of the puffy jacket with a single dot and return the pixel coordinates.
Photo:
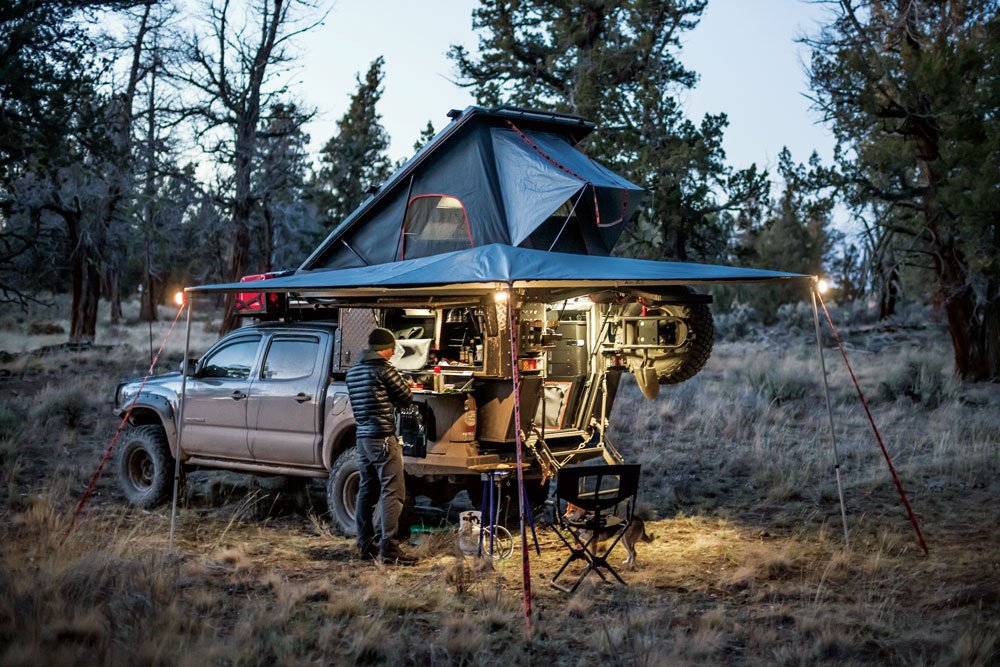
(375, 388)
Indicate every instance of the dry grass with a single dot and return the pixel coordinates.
(747, 567)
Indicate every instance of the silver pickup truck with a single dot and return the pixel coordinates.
(270, 399)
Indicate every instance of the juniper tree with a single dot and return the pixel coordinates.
(616, 62)
(911, 92)
(290, 223)
(795, 231)
(65, 139)
(235, 68)
(354, 159)
(426, 135)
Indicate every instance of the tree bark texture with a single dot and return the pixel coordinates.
(113, 294)
(85, 275)
(245, 130)
(89, 256)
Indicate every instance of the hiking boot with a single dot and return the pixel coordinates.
(370, 553)
(396, 556)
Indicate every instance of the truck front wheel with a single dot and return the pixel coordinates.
(145, 466)
(342, 491)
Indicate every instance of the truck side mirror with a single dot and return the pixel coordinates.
(192, 367)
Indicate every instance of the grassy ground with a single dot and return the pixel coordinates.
(748, 564)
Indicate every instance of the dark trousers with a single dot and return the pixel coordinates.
(381, 467)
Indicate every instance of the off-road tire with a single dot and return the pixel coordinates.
(701, 327)
(342, 491)
(342, 497)
(145, 466)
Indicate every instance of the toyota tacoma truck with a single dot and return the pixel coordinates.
(269, 398)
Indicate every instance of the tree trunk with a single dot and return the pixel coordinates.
(147, 306)
(985, 352)
(149, 298)
(974, 324)
(85, 278)
(147, 302)
(242, 206)
(152, 297)
(113, 294)
(86, 295)
(237, 265)
(973, 319)
(888, 292)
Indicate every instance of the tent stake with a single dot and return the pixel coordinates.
(516, 380)
(829, 412)
(180, 425)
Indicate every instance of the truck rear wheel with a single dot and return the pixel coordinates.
(145, 466)
(342, 491)
(342, 496)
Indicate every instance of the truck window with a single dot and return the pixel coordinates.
(232, 361)
(291, 358)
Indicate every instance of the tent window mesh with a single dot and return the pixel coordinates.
(435, 224)
(565, 228)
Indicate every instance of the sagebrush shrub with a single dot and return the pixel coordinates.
(736, 323)
(67, 406)
(796, 316)
(45, 329)
(780, 380)
(10, 421)
(921, 378)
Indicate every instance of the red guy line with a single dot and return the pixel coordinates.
(878, 434)
(121, 427)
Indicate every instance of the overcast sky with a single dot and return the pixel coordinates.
(744, 52)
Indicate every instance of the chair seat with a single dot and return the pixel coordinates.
(587, 523)
(598, 494)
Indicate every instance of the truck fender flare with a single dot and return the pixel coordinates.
(149, 407)
(336, 442)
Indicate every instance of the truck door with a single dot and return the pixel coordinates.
(283, 408)
(215, 405)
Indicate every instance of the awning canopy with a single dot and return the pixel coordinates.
(488, 267)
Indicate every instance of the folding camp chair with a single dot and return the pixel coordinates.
(605, 495)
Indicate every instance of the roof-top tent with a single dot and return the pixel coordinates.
(500, 175)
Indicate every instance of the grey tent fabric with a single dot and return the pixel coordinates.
(511, 170)
(491, 265)
(532, 188)
(373, 234)
(540, 171)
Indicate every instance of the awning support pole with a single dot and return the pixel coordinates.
(516, 380)
(829, 412)
(180, 423)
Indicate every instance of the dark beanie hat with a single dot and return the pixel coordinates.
(381, 339)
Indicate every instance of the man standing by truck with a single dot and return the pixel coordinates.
(376, 389)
